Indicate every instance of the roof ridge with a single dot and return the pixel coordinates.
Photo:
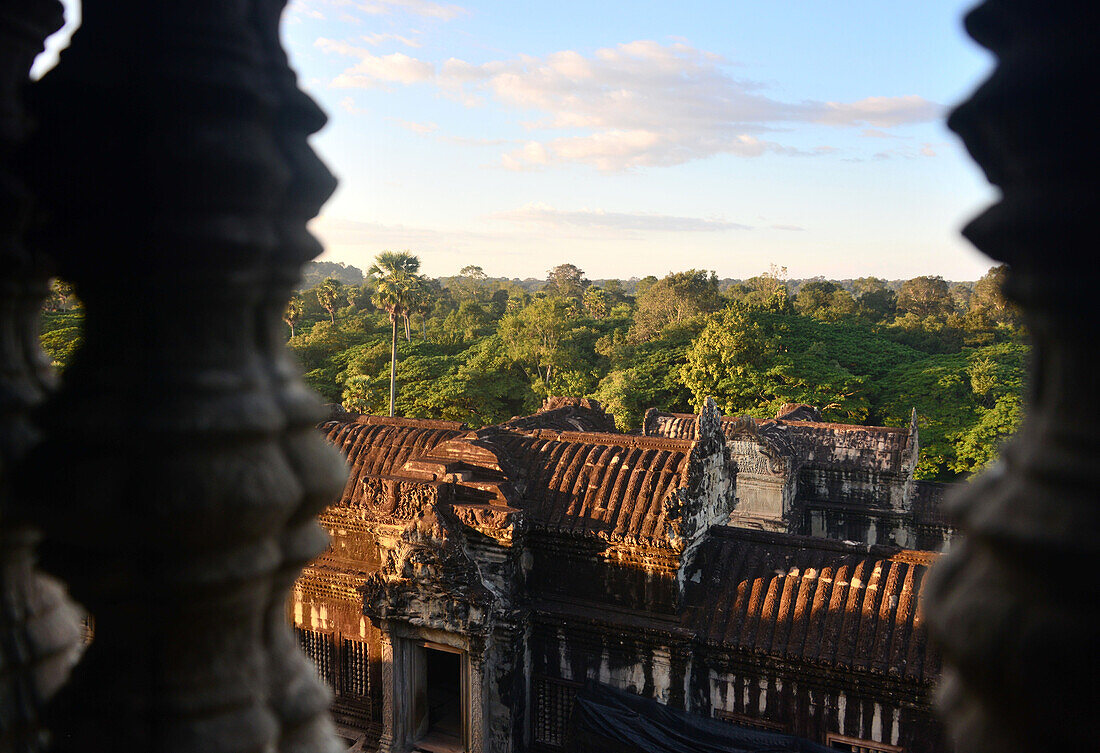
(422, 423)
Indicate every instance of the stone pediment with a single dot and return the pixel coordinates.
(427, 576)
(763, 448)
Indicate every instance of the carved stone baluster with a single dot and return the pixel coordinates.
(39, 626)
(163, 481)
(1011, 605)
(299, 699)
(387, 741)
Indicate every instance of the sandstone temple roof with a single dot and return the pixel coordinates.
(566, 414)
(815, 442)
(577, 482)
(375, 446)
(647, 562)
(824, 602)
(612, 485)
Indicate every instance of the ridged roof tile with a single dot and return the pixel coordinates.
(609, 485)
(815, 600)
(376, 446)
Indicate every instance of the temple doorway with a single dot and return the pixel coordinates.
(441, 728)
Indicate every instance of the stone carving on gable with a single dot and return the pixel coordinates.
(706, 495)
(374, 493)
(411, 498)
(427, 576)
(762, 449)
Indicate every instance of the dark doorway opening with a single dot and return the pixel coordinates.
(443, 678)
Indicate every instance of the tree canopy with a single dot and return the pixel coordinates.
(480, 349)
(674, 300)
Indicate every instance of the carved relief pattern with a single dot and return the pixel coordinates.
(189, 179)
(40, 631)
(385, 743)
(373, 493)
(411, 498)
(749, 459)
(477, 701)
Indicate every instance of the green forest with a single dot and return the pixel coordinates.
(480, 350)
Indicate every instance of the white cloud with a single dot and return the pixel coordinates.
(375, 70)
(638, 104)
(374, 39)
(881, 112)
(348, 8)
(347, 104)
(598, 219)
(875, 133)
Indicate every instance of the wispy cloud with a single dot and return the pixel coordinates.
(376, 70)
(352, 9)
(375, 39)
(876, 133)
(881, 112)
(598, 219)
(347, 104)
(637, 104)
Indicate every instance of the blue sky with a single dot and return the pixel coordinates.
(634, 138)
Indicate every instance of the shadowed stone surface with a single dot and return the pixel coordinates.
(550, 557)
(174, 182)
(1011, 607)
(39, 626)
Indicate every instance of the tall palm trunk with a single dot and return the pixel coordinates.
(393, 363)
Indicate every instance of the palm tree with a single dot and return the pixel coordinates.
(399, 287)
(293, 313)
(328, 295)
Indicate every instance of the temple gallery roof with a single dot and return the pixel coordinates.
(566, 414)
(816, 600)
(798, 431)
(612, 485)
(578, 482)
(375, 446)
(824, 602)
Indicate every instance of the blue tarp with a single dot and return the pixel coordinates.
(606, 720)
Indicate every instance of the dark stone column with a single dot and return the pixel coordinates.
(39, 626)
(1011, 605)
(299, 698)
(178, 476)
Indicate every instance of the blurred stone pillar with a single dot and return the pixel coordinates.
(39, 627)
(177, 477)
(299, 698)
(1011, 605)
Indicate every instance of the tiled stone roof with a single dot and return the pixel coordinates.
(375, 446)
(809, 599)
(566, 414)
(611, 485)
(871, 448)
